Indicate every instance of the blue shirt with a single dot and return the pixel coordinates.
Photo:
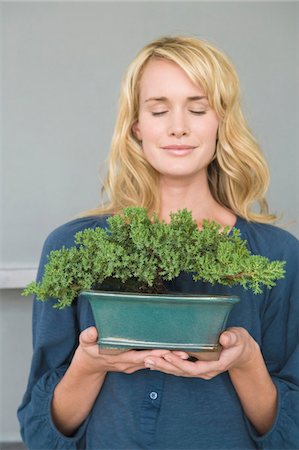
(154, 410)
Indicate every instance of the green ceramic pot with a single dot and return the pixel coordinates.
(178, 322)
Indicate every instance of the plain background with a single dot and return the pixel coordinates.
(62, 64)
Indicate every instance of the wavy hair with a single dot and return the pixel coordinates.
(238, 175)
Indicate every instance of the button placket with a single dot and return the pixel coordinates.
(150, 407)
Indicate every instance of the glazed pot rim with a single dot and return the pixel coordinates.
(166, 296)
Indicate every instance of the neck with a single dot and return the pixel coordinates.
(194, 196)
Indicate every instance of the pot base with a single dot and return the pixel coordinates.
(115, 343)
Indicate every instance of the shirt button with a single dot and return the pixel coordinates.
(153, 395)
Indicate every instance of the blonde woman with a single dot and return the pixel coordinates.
(180, 141)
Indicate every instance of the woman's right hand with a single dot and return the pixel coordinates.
(85, 376)
(90, 358)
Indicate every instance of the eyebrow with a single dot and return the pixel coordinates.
(165, 99)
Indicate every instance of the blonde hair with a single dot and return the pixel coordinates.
(238, 175)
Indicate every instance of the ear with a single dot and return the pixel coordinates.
(136, 131)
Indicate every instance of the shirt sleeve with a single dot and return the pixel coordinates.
(280, 348)
(55, 338)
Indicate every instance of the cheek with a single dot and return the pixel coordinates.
(149, 153)
(150, 128)
(209, 134)
(213, 128)
(152, 154)
(151, 139)
(213, 134)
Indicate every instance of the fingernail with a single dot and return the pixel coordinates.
(230, 338)
(183, 355)
(91, 335)
(149, 362)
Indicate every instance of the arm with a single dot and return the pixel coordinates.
(254, 386)
(77, 391)
(268, 386)
(242, 358)
(56, 365)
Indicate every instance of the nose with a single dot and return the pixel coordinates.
(178, 126)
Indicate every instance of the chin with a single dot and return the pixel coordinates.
(178, 175)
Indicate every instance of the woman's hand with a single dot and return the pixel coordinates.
(239, 350)
(77, 391)
(242, 358)
(91, 359)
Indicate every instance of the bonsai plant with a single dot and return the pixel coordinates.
(137, 254)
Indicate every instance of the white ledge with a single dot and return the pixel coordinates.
(16, 278)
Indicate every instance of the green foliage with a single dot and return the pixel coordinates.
(136, 254)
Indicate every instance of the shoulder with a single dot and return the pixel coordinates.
(276, 244)
(64, 235)
(268, 240)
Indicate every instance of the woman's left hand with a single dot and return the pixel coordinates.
(239, 350)
(242, 358)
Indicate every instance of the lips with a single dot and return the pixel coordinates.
(178, 147)
(179, 150)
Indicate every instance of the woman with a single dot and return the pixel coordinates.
(180, 142)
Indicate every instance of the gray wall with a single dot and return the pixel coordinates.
(62, 66)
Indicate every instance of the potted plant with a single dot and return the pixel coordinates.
(122, 271)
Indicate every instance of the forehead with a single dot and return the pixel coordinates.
(162, 78)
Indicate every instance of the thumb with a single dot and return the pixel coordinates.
(89, 336)
(228, 339)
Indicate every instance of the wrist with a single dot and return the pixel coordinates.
(86, 366)
(250, 360)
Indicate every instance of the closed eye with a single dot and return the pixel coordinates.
(158, 113)
(198, 112)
